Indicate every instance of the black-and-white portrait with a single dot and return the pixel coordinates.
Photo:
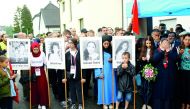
(18, 53)
(91, 52)
(121, 44)
(55, 53)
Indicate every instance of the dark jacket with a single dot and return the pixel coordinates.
(4, 85)
(78, 67)
(163, 87)
(125, 78)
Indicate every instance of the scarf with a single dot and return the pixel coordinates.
(165, 62)
(107, 38)
(35, 45)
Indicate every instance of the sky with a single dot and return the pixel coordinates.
(8, 8)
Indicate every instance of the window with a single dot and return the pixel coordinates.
(170, 23)
(81, 23)
(63, 6)
(64, 26)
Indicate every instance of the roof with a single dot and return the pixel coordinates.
(51, 15)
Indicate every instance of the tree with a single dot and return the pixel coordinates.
(26, 20)
(17, 20)
(9, 30)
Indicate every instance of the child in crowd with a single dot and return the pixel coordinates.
(39, 85)
(146, 57)
(74, 73)
(104, 76)
(125, 73)
(7, 89)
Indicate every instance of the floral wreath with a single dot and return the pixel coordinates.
(149, 72)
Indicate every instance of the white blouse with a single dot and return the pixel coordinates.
(38, 61)
(148, 54)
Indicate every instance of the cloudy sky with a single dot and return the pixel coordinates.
(8, 8)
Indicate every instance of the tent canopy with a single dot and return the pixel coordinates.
(155, 8)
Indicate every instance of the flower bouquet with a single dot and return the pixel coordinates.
(149, 72)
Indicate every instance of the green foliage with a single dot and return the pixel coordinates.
(23, 20)
(17, 20)
(9, 31)
(26, 18)
(149, 72)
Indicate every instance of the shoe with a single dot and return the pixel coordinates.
(80, 106)
(39, 107)
(73, 106)
(69, 101)
(110, 106)
(63, 103)
(148, 107)
(43, 107)
(105, 107)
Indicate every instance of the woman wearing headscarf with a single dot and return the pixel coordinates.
(39, 86)
(104, 76)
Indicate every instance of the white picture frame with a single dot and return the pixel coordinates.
(55, 60)
(18, 51)
(128, 42)
(94, 58)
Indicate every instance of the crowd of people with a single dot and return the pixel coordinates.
(167, 50)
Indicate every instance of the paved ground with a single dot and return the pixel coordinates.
(90, 103)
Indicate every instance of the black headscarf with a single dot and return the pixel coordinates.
(109, 39)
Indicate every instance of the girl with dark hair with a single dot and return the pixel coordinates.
(104, 76)
(185, 71)
(90, 51)
(123, 47)
(73, 67)
(146, 55)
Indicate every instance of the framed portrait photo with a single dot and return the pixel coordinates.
(91, 52)
(121, 44)
(55, 53)
(18, 51)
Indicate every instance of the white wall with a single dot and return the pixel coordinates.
(54, 30)
(43, 29)
(184, 20)
(95, 13)
(36, 26)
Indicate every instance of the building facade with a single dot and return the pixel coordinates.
(91, 14)
(47, 20)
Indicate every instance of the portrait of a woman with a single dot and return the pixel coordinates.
(55, 53)
(123, 47)
(90, 52)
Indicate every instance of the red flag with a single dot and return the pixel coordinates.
(135, 19)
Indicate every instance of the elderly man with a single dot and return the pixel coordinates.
(24, 79)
